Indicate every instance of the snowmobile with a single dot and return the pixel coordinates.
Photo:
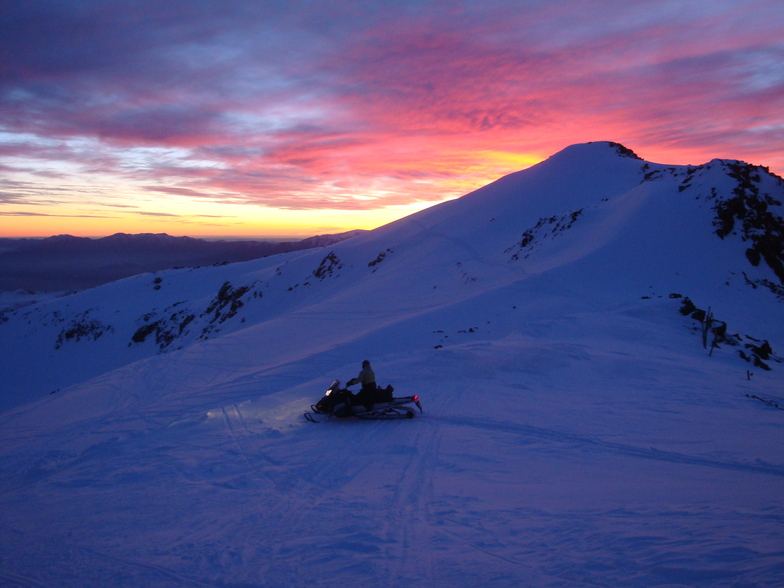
(341, 403)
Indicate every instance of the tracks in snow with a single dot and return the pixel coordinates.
(627, 450)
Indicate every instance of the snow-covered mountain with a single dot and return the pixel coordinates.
(584, 423)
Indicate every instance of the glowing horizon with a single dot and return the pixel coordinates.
(309, 118)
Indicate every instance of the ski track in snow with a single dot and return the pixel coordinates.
(594, 444)
(409, 534)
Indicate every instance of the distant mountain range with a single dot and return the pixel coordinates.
(65, 262)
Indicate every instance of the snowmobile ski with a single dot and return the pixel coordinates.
(313, 419)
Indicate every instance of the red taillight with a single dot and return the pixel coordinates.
(416, 398)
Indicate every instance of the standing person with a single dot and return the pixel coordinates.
(367, 378)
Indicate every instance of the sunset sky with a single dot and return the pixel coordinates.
(285, 118)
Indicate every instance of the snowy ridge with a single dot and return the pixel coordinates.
(544, 320)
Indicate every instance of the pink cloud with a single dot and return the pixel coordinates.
(293, 108)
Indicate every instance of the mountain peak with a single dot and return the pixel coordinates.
(595, 149)
(621, 150)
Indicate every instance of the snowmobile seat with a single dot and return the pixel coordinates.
(368, 398)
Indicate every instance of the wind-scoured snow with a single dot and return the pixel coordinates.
(580, 429)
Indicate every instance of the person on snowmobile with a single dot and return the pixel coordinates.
(368, 395)
(366, 377)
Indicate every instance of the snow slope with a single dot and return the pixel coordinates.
(576, 431)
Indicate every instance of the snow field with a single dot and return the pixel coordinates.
(544, 457)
